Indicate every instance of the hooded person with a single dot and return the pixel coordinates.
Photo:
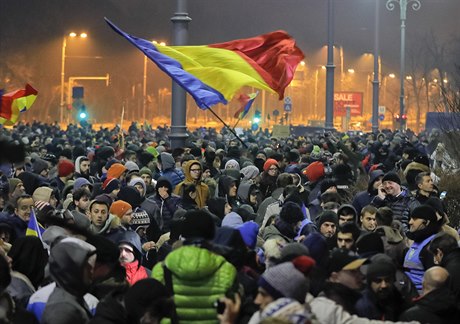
(166, 203)
(129, 244)
(169, 170)
(139, 184)
(196, 275)
(279, 282)
(424, 225)
(364, 198)
(249, 193)
(82, 169)
(71, 264)
(193, 172)
(228, 188)
(287, 225)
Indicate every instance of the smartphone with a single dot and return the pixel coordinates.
(219, 306)
(443, 195)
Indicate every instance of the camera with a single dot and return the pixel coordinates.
(219, 306)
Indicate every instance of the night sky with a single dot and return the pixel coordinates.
(31, 31)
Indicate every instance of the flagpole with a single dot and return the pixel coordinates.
(228, 127)
(239, 119)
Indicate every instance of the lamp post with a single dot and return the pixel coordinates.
(178, 134)
(375, 81)
(63, 50)
(391, 4)
(329, 122)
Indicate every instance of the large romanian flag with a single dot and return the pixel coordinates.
(212, 74)
(15, 102)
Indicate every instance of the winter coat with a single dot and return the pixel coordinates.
(169, 170)
(393, 244)
(451, 262)
(390, 309)
(436, 307)
(401, 205)
(202, 189)
(364, 198)
(199, 278)
(38, 300)
(134, 272)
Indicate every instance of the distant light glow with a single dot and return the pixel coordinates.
(351, 71)
(83, 115)
(392, 75)
(83, 35)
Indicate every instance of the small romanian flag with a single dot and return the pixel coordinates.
(34, 228)
(246, 102)
(15, 102)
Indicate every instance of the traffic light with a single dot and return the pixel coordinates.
(257, 117)
(83, 115)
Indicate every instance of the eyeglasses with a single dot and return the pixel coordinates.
(195, 170)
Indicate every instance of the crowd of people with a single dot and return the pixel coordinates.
(107, 226)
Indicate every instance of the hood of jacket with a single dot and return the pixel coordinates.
(243, 191)
(194, 263)
(393, 235)
(374, 175)
(77, 163)
(224, 185)
(416, 166)
(347, 206)
(187, 167)
(67, 260)
(167, 161)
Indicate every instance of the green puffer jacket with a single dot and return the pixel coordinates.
(199, 278)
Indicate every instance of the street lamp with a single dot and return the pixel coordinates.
(63, 49)
(329, 122)
(391, 4)
(144, 82)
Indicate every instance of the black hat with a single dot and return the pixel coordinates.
(327, 216)
(198, 224)
(391, 176)
(424, 212)
(291, 213)
(344, 259)
(369, 244)
(381, 265)
(422, 159)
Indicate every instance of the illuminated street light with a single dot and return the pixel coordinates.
(408, 77)
(351, 71)
(392, 75)
(391, 5)
(63, 56)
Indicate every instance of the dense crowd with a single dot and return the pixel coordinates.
(112, 226)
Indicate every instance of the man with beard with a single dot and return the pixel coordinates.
(82, 167)
(380, 299)
(327, 224)
(424, 225)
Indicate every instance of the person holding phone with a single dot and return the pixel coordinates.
(398, 198)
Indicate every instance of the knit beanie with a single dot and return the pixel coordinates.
(116, 170)
(369, 244)
(249, 231)
(314, 171)
(304, 264)
(146, 170)
(424, 212)
(284, 280)
(119, 208)
(80, 182)
(292, 250)
(13, 183)
(380, 268)
(326, 184)
(232, 164)
(291, 213)
(269, 163)
(391, 176)
(111, 184)
(65, 168)
(249, 172)
(131, 166)
(39, 165)
(327, 216)
(42, 194)
(153, 151)
(131, 196)
(198, 224)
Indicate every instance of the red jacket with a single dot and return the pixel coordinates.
(134, 272)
